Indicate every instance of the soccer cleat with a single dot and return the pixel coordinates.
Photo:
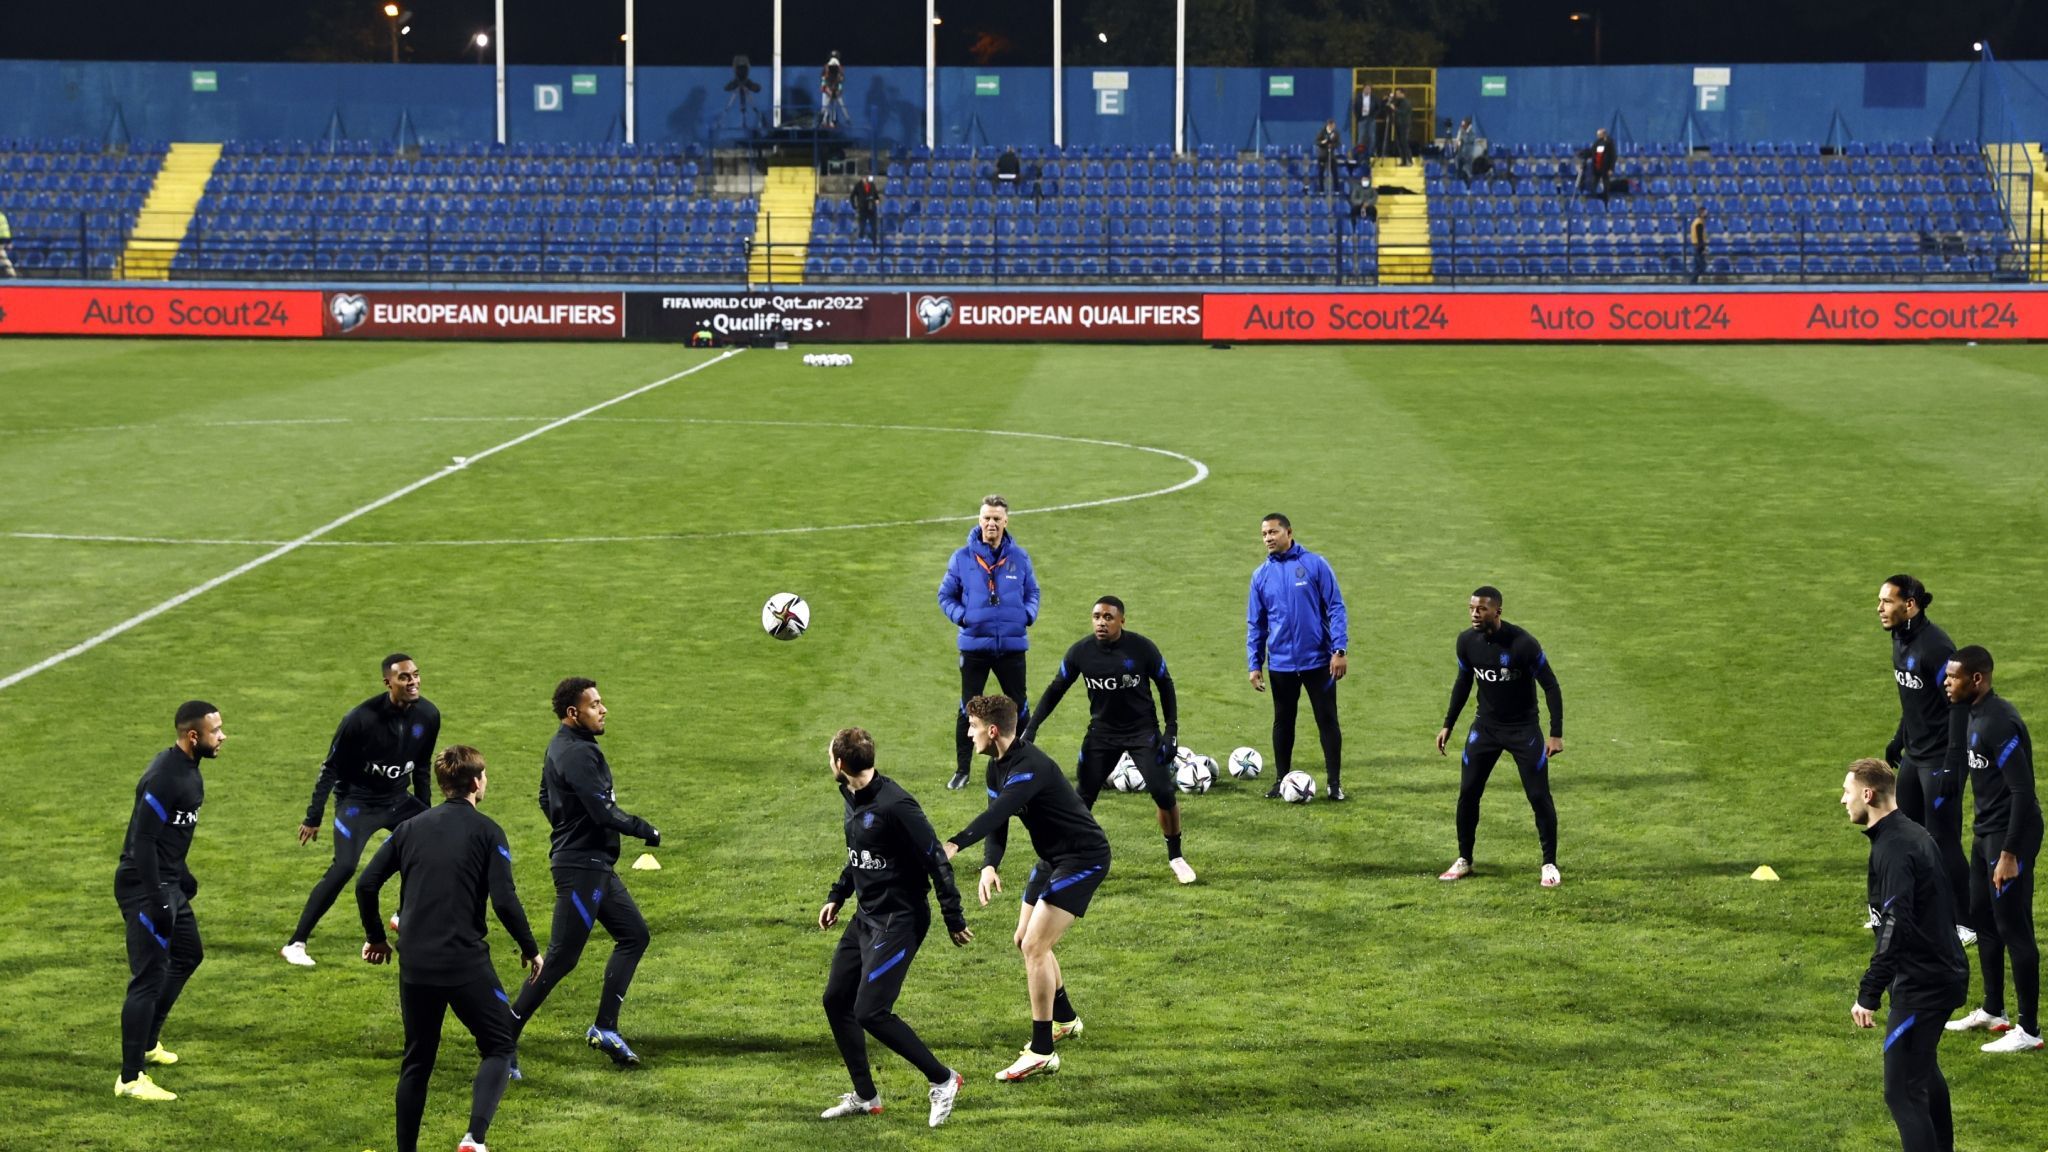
(609, 1042)
(1551, 878)
(1273, 793)
(159, 1055)
(1979, 1018)
(1061, 1031)
(1029, 1064)
(142, 1088)
(512, 1073)
(942, 1096)
(471, 1144)
(1182, 870)
(1337, 794)
(1964, 936)
(1459, 869)
(2016, 1040)
(958, 781)
(852, 1105)
(393, 921)
(294, 954)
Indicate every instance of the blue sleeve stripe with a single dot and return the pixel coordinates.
(505, 852)
(153, 802)
(2005, 753)
(1017, 779)
(992, 793)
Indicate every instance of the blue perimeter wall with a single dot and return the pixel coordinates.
(1227, 107)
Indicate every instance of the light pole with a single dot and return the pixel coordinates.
(1594, 18)
(391, 14)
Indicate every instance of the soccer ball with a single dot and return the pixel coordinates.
(1126, 777)
(1297, 787)
(785, 616)
(1194, 773)
(1246, 763)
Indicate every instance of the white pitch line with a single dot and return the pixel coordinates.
(1201, 473)
(290, 546)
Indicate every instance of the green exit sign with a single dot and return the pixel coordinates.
(1279, 85)
(583, 83)
(988, 85)
(1493, 85)
(205, 81)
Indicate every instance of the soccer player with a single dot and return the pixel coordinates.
(155, 891)
(447, 860)
(2007, 837)
(1917, 957)
(1296, 631)
(1073, 861)
(381, 745)
(1927, 753)
(1120, 667)
(893, 862)
(991, 592)
(1508, 663)
(576, 794)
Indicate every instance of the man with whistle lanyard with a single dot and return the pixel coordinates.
(990, 592)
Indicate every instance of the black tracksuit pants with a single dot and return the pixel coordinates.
(1933, 799)
(1914, 1089)
(161, 957)
(2005, 925)
(480, 1005)
(1287, 689)
(974, 670)
(352, 827)
(868, 968)
(585, 899)
(1483, 746)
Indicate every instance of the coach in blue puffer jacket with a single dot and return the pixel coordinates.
(991, 593)
(1296, 630)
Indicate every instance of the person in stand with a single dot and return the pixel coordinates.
(1597, 164)
(1008, 168)
(1464, 149)
(1697, 234)
(1400, 119)
(831, 93)
(867, 205)
(6, 241)
(1328, 143)
(1366, 113)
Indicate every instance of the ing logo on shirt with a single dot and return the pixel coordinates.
(1113, 683)
(1498, 675)
(1908, 680)
(388, 771)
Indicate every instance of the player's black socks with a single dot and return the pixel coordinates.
(1173, 847)
(1041, 1037)
(1062, 1008)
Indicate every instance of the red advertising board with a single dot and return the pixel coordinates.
(1068, 316)
(476, 315)
(125, 311)
(1990, 314)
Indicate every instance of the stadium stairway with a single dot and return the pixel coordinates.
(2037, 259)
(782, 231)
(1404, 224)
(167, 213)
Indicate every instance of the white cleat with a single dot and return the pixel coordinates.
(1062, 1031)
(1029, 1064)
(943, 1096)
(471, 1144)
(1551, 876)
(1979, 1018)
(294, 954)
(852, 1105)
(1459, 869)
(1964, 936)
(2016, 1040)
(394, 921)
(1182, 870)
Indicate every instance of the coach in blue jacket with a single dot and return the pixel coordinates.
(1295, 632)
(990, 592)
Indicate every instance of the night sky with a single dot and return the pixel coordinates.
(1016, 32)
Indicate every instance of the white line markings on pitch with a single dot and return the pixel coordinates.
(289, 546)
(1201, 473)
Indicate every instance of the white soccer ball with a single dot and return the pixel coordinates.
(1126, 777)
(1194, 773)
(785, 616)
(1297, 787)
(1246, 763)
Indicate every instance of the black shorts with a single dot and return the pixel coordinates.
(1098, 760)
(1068, 887)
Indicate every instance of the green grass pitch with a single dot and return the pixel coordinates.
(1696, 534)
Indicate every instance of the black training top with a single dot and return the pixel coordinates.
(377, 748)
(446, 859)
(1505, 661)
(1026, 784)
(893, 858)
(1119, 675)
(1920, 656)
(160, 827)
(2002, 776)
(1917, 955)
(576, 795)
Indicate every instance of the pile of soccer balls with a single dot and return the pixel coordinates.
(829, 359)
